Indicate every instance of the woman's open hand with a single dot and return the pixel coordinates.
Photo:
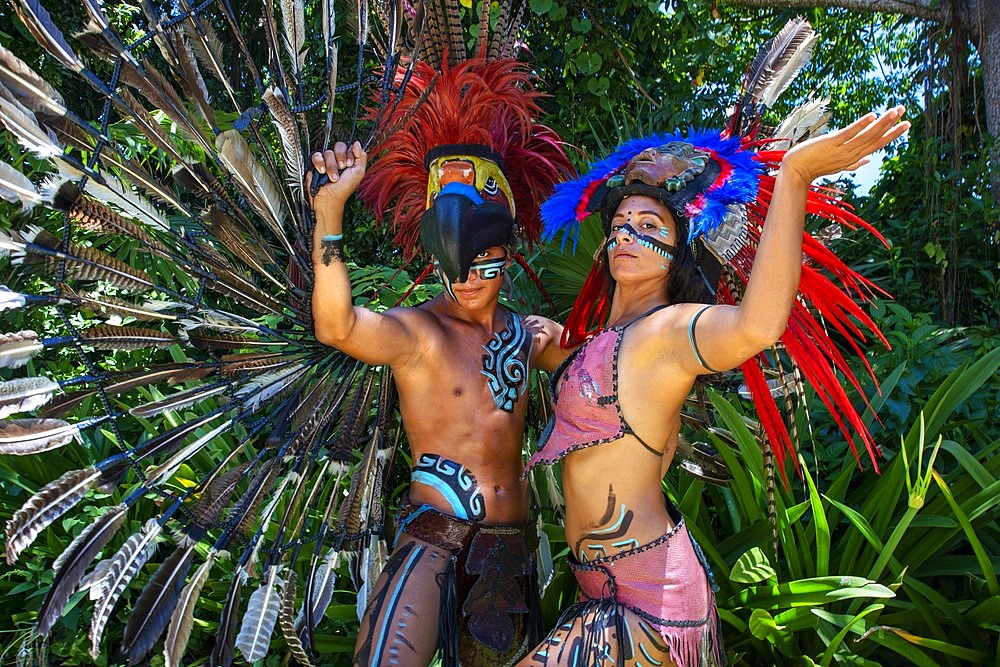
(845, 149)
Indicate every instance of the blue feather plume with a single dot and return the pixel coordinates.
(571, 202)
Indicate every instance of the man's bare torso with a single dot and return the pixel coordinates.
(450, 413)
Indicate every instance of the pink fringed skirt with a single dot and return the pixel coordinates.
(666, 583)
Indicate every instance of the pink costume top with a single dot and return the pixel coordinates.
(665, 582)
(585, 402)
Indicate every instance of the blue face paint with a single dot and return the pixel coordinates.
(659, 247)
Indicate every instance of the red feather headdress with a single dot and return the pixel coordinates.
(484, 102)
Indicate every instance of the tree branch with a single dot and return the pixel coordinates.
(930, 10)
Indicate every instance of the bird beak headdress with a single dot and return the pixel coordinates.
(469, 163)
(469, 207)
(718, 185)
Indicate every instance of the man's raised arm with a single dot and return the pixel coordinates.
(370, 337)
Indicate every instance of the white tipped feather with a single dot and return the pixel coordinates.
(40, 25)
(796, 61)
(260, 618)
(294, 24)
(28, 87)
(268, 385)
(21, 122)
(10, 300)
(25, 394)
(18, 188)
(31, 436)
(16, 349)
(804, 121)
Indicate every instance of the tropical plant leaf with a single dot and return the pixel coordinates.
(751, 568)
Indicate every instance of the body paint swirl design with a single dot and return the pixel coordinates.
(454, 482)
(505, 364)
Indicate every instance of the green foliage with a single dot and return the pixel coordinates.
(871, 568)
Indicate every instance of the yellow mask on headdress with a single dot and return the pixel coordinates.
(480, 173)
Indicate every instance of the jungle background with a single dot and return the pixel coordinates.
(891, 567)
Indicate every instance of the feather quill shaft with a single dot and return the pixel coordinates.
(167, 469)
(254, 182)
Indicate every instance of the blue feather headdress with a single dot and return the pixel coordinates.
(730, 179)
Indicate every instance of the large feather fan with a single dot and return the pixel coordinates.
(178, 269)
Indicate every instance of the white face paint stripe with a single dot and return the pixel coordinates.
(488, 269)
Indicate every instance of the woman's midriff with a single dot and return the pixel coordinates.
(614, 499)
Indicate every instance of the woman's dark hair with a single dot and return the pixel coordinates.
(686, 283)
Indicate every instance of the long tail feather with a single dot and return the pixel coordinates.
(260, 617)
(71, 564)
(18, 188)
(31, 436)
(24, 394)
(182, 621)
(17, 349)
(124, 566)
(156, 604)
(50, 503)
(286, 621)
(225, 640)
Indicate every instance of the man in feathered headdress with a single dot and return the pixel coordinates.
(465, 174)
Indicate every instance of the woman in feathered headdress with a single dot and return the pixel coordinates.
(664, 201)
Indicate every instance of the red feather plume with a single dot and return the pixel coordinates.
(493, 103)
